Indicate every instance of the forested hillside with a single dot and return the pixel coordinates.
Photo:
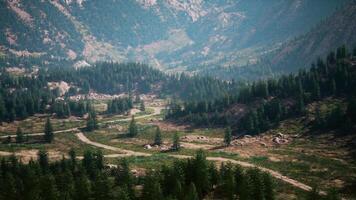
(91, 179)
(170, 35)
(261, 105)
(24, 93)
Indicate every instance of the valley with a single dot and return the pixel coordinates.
(299, 163)
(177, 100)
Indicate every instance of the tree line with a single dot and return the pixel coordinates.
(272, 100)
(89, 178)
(22, 96)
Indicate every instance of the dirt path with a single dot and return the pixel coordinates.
(39, 134)
(275, 174)
(124, 152)
(86, 140)
(156, 111)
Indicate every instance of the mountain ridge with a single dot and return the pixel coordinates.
(170, 35)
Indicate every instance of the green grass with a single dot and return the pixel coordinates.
(63, 142)
(152, 162)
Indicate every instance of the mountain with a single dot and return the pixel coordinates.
(338, 29)
(173, 35)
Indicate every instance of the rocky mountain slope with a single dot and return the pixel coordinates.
(339, 29)
(173, 35)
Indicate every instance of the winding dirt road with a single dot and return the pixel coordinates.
(273, 173)
(125, 153)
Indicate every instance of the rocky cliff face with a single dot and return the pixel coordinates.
(173, 35)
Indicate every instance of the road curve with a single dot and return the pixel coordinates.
(273, 173)
(156, 111)
(125, 153)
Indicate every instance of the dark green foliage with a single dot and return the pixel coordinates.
(16, 102)
(192, 179)
(227, 136)
(19, 135)
(92, 122)
(133, 131)
(158, 137)
(176, 142)
(48, 131)
(151, 187)
(332, 195)
(313, 194)
(124, 179)
(142, 106)
(270, 101)
(119, 105)
(334, 119)
(192, 193)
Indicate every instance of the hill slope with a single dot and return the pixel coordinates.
(177, 35)
(338, 29)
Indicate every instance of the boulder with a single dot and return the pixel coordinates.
(147, 146)
(279, 140)
(263, 144)
(280, 135)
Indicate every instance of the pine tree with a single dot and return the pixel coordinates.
(2, 110)
(176, 142)
(43, 160)
(48, 131)
(48, 187)
(132, 127)
(268, 187)
(137, 99)
(142, 106)
(158, 137)
(123, 194)
(19, 135)
(151, 187)
(227, 136)
(332, 195)
(102, 188)
(92, 122)
(192, 192)
(73, 158)
(82, 188)
(124, 178)
(313, 194)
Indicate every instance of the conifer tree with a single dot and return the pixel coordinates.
(92, 122)
(158, 137)
(151, 187)
(132, 127)
(43, 160)
(268, 187)
(19, 135)
(332, 195)
(48, 131)
(192, 192)
(82, 188)
(124, 178)
(176, 142)
(142, 106)
(227, 136)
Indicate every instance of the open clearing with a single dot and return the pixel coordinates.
(300, 162)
